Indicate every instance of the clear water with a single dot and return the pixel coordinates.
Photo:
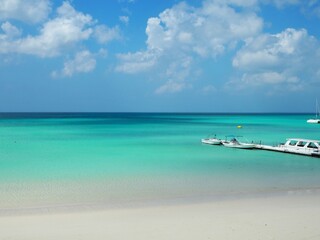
(79, 159)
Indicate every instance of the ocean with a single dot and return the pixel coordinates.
(109, 159)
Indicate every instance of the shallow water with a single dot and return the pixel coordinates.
(67, 159)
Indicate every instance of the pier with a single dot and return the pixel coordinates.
(299, 146)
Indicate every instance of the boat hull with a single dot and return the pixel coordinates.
(211, 141)
(239, 145)
(313, 121)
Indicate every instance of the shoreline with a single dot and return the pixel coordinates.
(291, 216)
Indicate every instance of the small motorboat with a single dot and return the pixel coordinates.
(212, 140)
(234, 143)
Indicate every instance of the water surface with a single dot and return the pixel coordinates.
(66, 159)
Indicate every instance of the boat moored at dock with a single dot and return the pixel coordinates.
(296, 146)
(234, 143)
(300, 146)
(212, 140)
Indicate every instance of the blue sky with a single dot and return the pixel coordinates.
(159, 56)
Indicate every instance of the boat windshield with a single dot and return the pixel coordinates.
(301, 144)
(312, 145)
(293, 142)
(234, 140)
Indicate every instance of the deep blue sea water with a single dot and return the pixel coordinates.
(52, 159)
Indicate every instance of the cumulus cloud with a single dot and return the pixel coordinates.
(206, 31)
(32, 11)
(104, 34)
(138, 61)
(83, 62)
(57, 35)
(183, 30)
(9, 30)
(67, 28)
(287, 59)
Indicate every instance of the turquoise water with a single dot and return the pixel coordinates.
(65, 159)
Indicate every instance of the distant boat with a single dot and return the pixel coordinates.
(234, 143)
(316, 119)
(212, 140)
(313, 120)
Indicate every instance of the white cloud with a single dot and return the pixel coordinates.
(56, 36)
(10, 31)
(83, 62)
(67, 28)
(185, 32)
(288, 59)
(138, 61)
(267, 78)
(269, 82)
(172, 86)
(177, 73)
(270, 50)
(104, 34)
(256, 3)
(32, 11)
(124, 19)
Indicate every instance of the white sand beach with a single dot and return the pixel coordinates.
(290, 216)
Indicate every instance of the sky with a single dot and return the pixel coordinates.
(159, 56)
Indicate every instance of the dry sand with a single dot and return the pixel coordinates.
(291, 216)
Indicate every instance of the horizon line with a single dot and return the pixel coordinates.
(144, 112)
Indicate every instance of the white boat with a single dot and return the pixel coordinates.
(234, 143)
(316, 119)
(212, 140)
(301, 146)
(296, 146)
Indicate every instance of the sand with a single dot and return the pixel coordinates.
(289, 216)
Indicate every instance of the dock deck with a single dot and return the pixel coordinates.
(282, 148)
